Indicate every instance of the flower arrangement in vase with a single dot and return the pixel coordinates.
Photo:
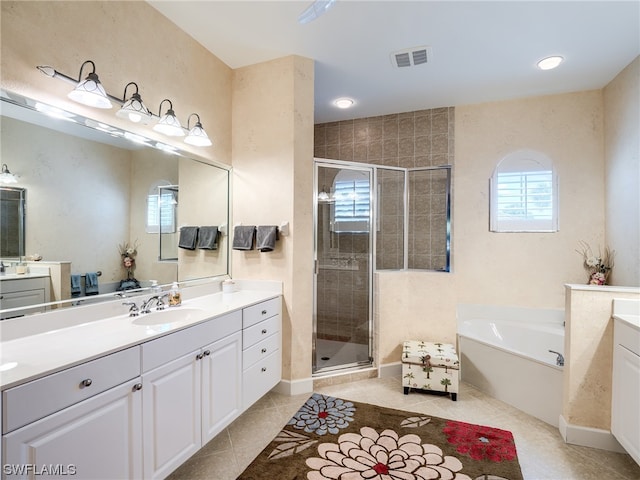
(599, 266)
(128, 254)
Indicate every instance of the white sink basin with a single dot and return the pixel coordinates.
(169, 315)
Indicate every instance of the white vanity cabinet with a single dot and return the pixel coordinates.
(191, 390)
(22, 291)
(262, 354)
(625, 413)
(85, 421)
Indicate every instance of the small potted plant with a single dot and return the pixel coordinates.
(128, 256)
(599, 266)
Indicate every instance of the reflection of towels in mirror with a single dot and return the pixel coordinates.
(243, 237)
(91, 283)
(208, 238)
(188, 238)
(266, 237)
(76, 288)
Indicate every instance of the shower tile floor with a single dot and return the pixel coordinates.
(331, 353)
(542, 453)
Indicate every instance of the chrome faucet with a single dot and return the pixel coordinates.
(133, 308)
(146, 306)
(559, 358)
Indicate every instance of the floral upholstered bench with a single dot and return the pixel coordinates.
(430, 366)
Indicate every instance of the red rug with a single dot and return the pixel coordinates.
(334, 439)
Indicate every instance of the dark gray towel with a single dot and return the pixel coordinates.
(188, 238)
(208, 238)
(76, 287)
(266, 237)
(243, 237)
(91, 283)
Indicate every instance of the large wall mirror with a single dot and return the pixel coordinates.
(88, 189)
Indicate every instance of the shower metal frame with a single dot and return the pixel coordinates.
(374, 217)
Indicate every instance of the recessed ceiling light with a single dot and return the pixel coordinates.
(344, 102)
(550, 62)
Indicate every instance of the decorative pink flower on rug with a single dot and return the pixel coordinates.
(384, 456)
(321, 414)
(480, 442)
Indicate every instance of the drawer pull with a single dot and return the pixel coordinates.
(199, 356)
(86, 383)
(137, 387)
(264, 330)
(264, 350)
(264, 369)
(264, 312)
(207, 353)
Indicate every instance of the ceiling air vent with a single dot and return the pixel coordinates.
(411, 57)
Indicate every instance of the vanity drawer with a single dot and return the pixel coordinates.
(261, 311)
(165, 349)
(260, 350)
(37, 399)
(260, 331)
(260, 378)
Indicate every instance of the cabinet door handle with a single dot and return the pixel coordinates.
(199, 356)
(264, 369)
(137, 387)
(264, 350)
(264, 330)
(207, 353)
(86, 383)
(264, 312)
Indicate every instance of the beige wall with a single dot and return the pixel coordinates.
(272, 161)
(516, 269)
(128, 42)
(622, 157)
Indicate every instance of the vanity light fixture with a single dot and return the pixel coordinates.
(168, 123)
(133, 109)
(197, 136)
(550, 63)
(90, 91)
(6, 177)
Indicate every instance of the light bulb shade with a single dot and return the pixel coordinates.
(6, 177)
(134, 110)
(169, 125)
(90, 92)
(198, 137)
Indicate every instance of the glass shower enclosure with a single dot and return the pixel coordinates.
(343, 266)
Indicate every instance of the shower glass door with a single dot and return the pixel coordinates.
(343, 266)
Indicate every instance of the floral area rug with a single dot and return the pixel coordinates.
(335, 439)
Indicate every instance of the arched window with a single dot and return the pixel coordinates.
(524, 194)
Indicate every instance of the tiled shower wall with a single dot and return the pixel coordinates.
(413, 139)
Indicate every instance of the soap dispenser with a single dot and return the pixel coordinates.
(175, 298)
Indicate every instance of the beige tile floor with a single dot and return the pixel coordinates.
(543, 454)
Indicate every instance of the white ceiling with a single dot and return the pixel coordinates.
(481, 51)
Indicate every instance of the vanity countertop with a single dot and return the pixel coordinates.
(631, 320)
(35, 355)
(16, 276)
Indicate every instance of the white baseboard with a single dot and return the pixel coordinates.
(294, 387)
(389, 370)
(588, 437)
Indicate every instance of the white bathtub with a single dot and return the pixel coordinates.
(504, 351)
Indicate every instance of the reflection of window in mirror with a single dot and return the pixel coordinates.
(162, 202)
(351, 208)
(12, 218)
(524, 194)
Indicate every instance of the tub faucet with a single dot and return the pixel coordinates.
(559, 358)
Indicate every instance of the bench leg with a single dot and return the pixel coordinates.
(454, 396)
(406, 390)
